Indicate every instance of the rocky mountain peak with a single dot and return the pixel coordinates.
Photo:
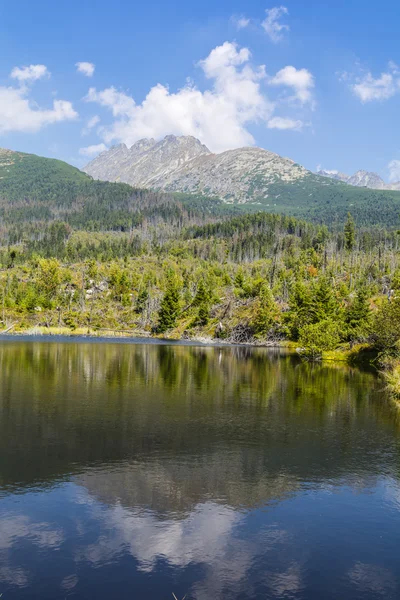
(142, 145)
(333, 174)
(184, 164)
(360, 178)
(147, 161)
(366, 179)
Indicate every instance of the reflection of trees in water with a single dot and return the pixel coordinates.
(245, 424)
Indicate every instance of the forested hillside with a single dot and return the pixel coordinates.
(251, 178)
(36, 191)
(84, 255)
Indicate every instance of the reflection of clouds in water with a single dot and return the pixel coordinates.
(205, 537)
(372, 578)
(17, 577)
(12, 531)
(392, 494)
(286, 584)
(200, 537)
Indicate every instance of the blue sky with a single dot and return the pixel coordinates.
(314, 81)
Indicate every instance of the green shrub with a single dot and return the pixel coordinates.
(318, 337)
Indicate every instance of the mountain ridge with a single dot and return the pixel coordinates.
(184, 164)
(361, 178)
(35, 189)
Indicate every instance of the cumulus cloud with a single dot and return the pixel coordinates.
(86, 68)
(369, 88)
(92, 150)
(240, 21)
(394, 170)
(381, 88)
(301, 81)
(272, 25)
(285, 123)
(218, 116)
(19, 113)
(30, 73)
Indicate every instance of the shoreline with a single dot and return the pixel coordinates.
(86, 334)
(358, 356)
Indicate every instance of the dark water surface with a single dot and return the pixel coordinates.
(134, 471)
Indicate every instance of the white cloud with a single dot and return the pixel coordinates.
(300, 80)
(18, 113)
(86, 68)
(29, 73)
(285, 123)
(369, 88)
(93, 121)
(327, 171)
(218, 116)
(272, 25)
(382, 88)
(240, 21)
(92, 150)
(394, 67)
(90, 124)
(119, 103)
(394, 171)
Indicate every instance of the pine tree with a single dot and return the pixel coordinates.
(141, 300)
(358, 315)
(202, 296)
(349, 233)
(169, 309)
(202, 300)
(325, 305)
(266, 312)
(203, 315)
(301, 309)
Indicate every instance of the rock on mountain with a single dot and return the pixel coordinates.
(147, 162)
(361, 178)
(333, 174)
(184, 164)
(367, 179)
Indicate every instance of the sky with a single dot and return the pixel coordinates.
(318, 82)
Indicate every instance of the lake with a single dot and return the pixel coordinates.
(132, 470)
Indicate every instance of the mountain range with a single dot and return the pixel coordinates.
(361, 178)
(182, 176)
(251, 176)
(184, 164)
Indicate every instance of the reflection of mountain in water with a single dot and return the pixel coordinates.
(170, 427)
(171, 487)
(206, 471)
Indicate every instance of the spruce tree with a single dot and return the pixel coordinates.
(266, 312)
(202, 296)
(301, 309)
(325, 305)
(141, 300)
(203, 315)
(349, 233)
(202, 300)
(169, 308)
(358, 315)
